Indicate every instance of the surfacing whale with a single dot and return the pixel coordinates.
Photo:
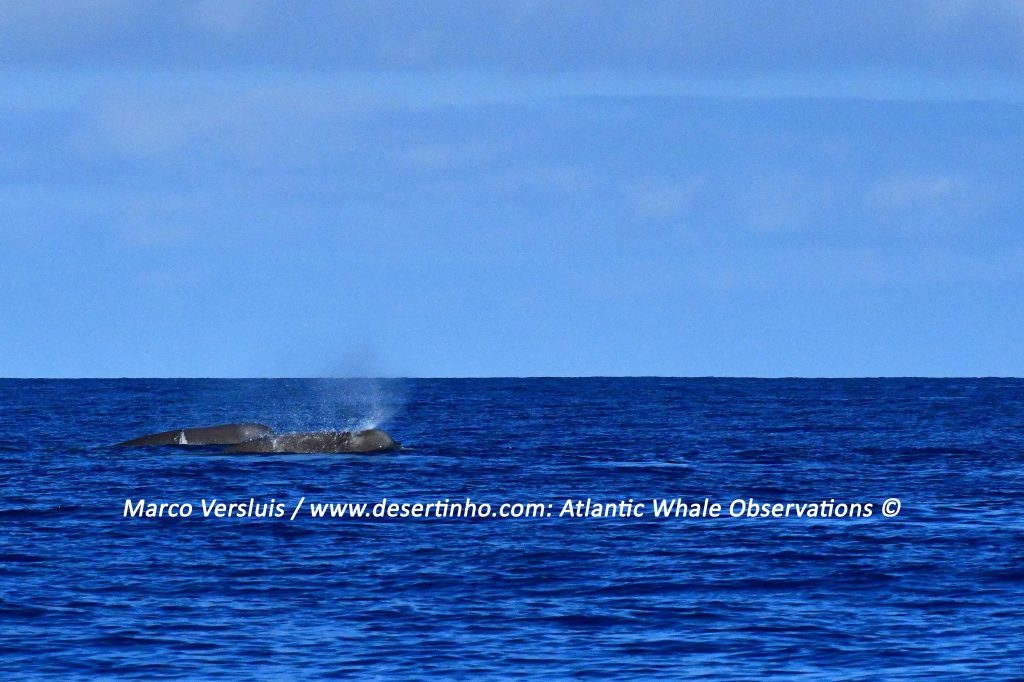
(223, 434)
(370, 440)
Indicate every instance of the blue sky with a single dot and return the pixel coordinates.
(523, 188)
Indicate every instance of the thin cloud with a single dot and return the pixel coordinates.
(698, 36)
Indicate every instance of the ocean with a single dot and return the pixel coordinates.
(928, 587)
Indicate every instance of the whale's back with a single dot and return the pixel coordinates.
(222, 434)
(370, 440)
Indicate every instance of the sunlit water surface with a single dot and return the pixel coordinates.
(935, 592)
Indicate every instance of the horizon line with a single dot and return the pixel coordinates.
(529, 376)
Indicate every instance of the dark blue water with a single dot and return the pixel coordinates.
(936, 591)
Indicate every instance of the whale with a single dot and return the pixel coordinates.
(370, 440)
(222, 434)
